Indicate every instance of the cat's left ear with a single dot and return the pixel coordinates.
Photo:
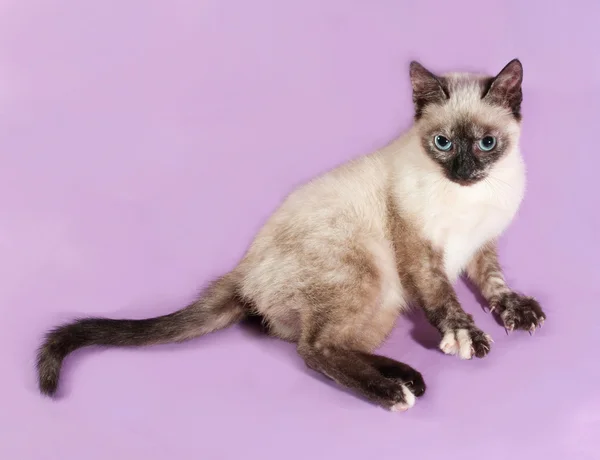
(505, 88)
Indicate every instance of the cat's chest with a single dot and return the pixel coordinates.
(459, 229)
(458, 221)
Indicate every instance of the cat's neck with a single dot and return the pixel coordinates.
(435, 205)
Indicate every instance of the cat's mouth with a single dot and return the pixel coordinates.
(465, 182)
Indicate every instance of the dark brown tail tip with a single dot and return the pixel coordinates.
(48, 370)
(48, 385)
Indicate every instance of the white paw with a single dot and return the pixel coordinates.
(465, 345)
(409, 401)
(449, 344)
(457, 343)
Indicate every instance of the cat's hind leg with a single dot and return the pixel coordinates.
(394, 385)
(339, 333)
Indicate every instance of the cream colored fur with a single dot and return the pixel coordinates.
(347, 206)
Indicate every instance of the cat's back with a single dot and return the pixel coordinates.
(323, 217)
(347, 199)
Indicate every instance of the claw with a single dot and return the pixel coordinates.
(532, 329)
(489, 337)
(492, 308)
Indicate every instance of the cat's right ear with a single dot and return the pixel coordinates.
(427, 88)
(505, 88)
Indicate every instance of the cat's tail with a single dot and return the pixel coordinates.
(218, 307)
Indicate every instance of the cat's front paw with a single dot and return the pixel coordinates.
(518, 312)
(466, 342)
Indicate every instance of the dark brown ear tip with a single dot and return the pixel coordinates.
(514, 68)
(515, 63)
(418, 70)
(414, 65)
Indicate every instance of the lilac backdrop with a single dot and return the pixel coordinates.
(143, 143)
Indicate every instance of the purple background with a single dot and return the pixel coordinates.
(143, 143)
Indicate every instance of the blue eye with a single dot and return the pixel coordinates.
(442, 143)
(487, 143)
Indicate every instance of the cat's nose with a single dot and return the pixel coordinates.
(463, 169)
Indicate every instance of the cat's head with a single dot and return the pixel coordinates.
(467, 122)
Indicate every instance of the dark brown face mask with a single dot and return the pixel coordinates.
(466, 148)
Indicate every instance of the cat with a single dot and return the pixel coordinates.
(345, 254)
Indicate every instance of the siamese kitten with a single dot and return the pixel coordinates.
(345, 254)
